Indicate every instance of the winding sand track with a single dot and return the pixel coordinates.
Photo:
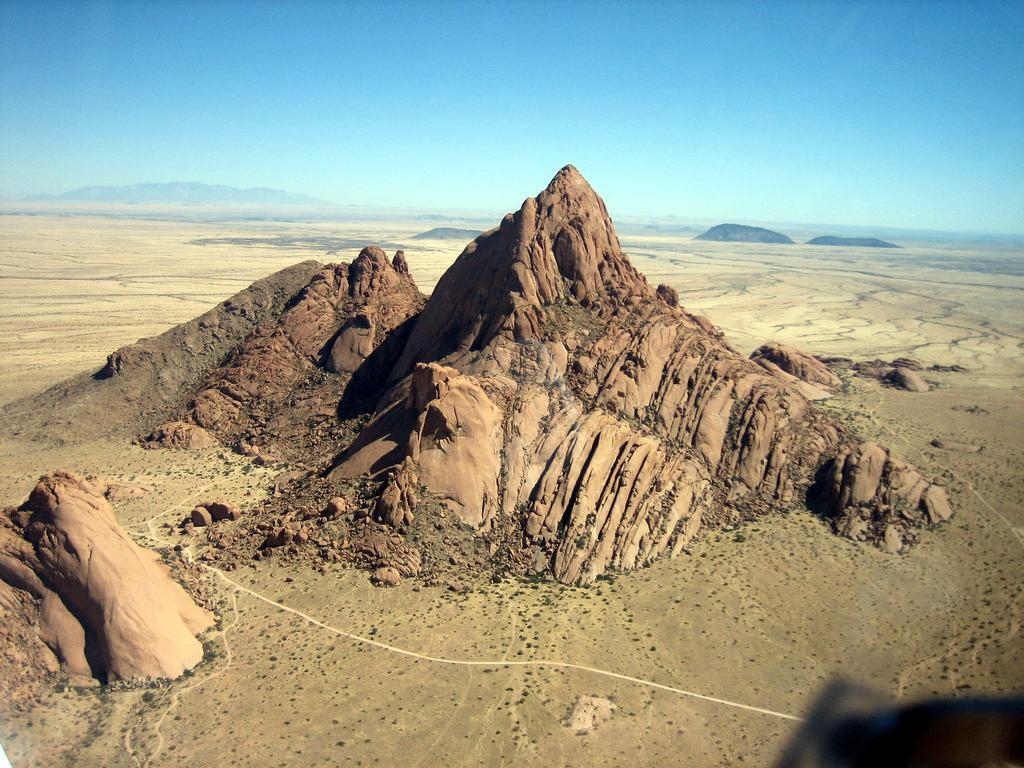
(498, 663)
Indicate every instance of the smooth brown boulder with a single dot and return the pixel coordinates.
(336, 507)
(905, 378)
(109, 609)
(201, 517)
(387, 577)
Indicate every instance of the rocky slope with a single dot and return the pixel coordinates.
(104, 608)
(741, 233)
(546, 410)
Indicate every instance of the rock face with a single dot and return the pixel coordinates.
(576, 417)
(851, 242)
(740, 233)
(334, 323)
(107, 608)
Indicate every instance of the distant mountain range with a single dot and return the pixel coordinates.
(182, 192)
(853, 242)
(447, 233)
(740, 233)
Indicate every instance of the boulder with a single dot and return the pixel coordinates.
(201, 517)
(108, 608)
(905, 378)
(336, 507)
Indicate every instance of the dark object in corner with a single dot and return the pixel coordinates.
(851, 727)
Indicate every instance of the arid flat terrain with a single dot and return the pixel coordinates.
(309, 667)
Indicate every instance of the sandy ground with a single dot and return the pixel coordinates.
(762, 616)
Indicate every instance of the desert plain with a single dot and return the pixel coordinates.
(318, 667)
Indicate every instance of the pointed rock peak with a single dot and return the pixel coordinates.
(561, 245)
(568, 177)
(372, 271)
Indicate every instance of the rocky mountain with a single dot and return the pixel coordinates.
(546, 410)
(447, 233)
(183, 192)
(852, 242)
(740, 233)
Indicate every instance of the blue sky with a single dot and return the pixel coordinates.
(890, 114)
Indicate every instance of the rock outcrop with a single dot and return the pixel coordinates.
(588, 713)
(869, 495)
(904, 378)
(142, 383)
(335, 323)
(107, 609)
(179, 434)
(816, 380)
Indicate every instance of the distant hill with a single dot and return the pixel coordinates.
(447, 233)
(182, 192)
(854, 242)
(740, 233)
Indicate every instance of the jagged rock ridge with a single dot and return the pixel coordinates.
(574, 416)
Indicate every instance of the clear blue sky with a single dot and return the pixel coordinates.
(893, 114)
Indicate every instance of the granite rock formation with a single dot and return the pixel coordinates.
(551, 402)
(105, 608)
(811, 376)
(546, 398)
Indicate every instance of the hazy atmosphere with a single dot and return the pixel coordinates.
(902, 114)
